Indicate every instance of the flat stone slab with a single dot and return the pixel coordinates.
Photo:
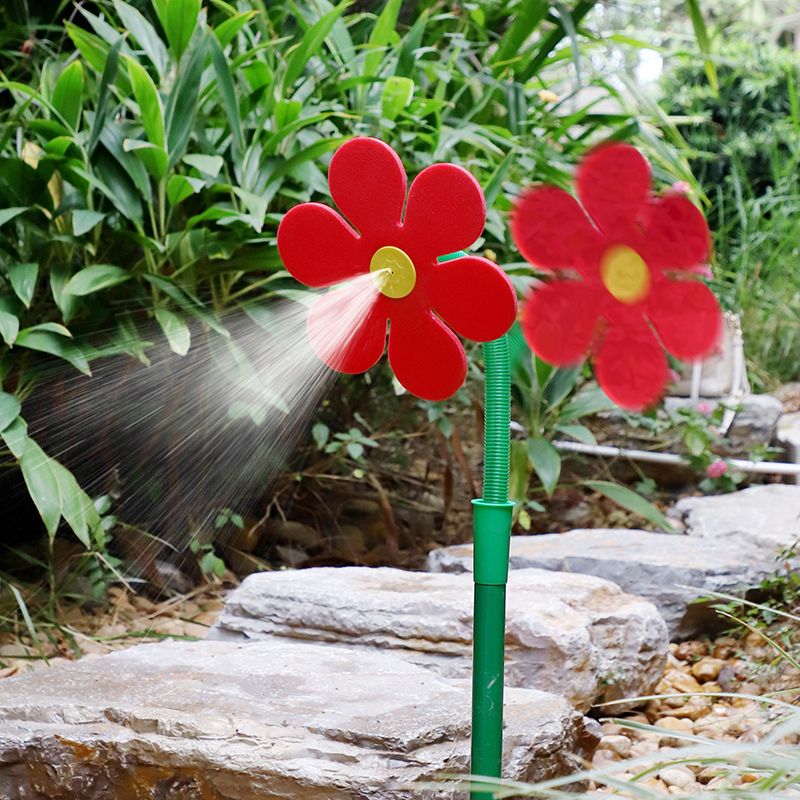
(262, 721)
(767, 516)
(653, 565)
(574, 635)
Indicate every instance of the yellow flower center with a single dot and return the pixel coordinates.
(394, 272)
(625, 274)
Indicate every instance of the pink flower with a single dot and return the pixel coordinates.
(704, 408)
(716, 469)
(681, 187)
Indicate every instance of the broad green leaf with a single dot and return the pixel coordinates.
(546, 462)
(228, 29)
(23, 281)
(97, 277)
(68, 94)
(309, 45)
(176, 331)
(9, 327)
(179, 187)
(529, 13)
(634, 502)
(584, 404)
(208, 165)
(321, 432)
(181, 111)
(7, 214)
(379, 38)
(396, 95)
(178, 18)
(67, 303)
(190, 304)
(77, 507)
(519, 475)
(91, 47)
(9, 409)
(154, 158)
(15, 436)
(146, 94)
(578, 432)
(106, 81)
(145, 34)
(43, 486)
(227, 92)
(84, 220)
(51, 327)
(54, 345)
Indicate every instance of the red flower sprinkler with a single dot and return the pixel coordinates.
(624, 265)
(428, 291)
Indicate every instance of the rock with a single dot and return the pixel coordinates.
(707, 669)
(617, 744)
(295, 534)
(679, 776)
(656, 566)
(767, 516)
(261, 720)
(575, 635)
(789, 436)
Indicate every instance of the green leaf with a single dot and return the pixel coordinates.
(77, 507)
(355, 450)
(51, 327)
(309, 45)
(396, 95)
(578, 432)
(703, 42)
(55, 345)
(208, 165)
(227, 92)
(91, 47)
(97, 277)
(181, 112)
(546, 462)
(9, 409)
(67, 303)
(228, 29)
(529, 14)
(520, 471)
(145, 34)
(7, 214)
(380, 36)
(632, 501)
(9, 327)
(106, 81)
(43, 486)
(321, 432)
(175, 329)
(179, 187)
(23, 281)
(146, 94)
(68, 94)
(154, 158)
(178, 18)
(84, 220)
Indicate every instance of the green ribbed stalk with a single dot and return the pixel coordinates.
(492, 524)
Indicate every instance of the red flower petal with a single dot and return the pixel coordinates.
(318, 247)
(631, 366)
(368, 184)
(614, 186)
(551, 230)
(677, 235)
(686, 316)
(474, 297)
(426, 356)
(446, 211)
(347, 331)
(558, 320)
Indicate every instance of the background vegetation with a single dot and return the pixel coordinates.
(148, 151)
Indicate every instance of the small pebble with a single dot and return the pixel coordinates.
(707, 669)
(679, 776)
(617, 744)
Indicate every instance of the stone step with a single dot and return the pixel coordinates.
(574, 635)
(262, 721)
(656, 566)
(767, 516)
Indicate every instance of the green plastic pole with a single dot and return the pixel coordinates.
(492, 525)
